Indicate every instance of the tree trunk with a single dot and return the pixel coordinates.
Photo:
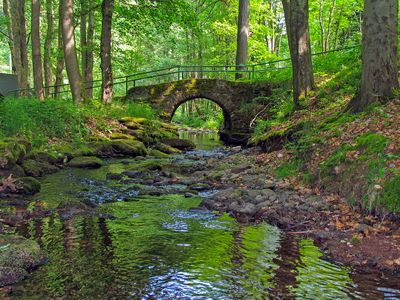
(18, 26)
(379, 76)
(242, 37)
(83, 26)
(296, 16)
(36, 52)
(9, 31)
(107, 9)
(89, 55)
(47, 47)
(71, 59)
(60, 60)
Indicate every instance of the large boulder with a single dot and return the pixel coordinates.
(112, 148)
(181, 144)
(45, 157)
(18, 256)
(86, 162)
(38, 168)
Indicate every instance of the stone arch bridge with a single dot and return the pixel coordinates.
(238, 101)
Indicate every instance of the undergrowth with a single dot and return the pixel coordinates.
(40, 122)
(350, 154)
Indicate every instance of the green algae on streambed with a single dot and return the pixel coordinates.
(165, 247)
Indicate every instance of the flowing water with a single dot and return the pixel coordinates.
(165, 247)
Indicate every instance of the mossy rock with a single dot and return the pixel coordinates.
(18, 256)
(166, 149)
(11, 152)
(70, 151)
(48, 157)
(113, 148)
(158, 154)
(121, 136)
(86, 162)
(165, 134)
(181, 144)
(15, 171)
(28, 185)
(37, 168)
(169, 127)
(126, 120)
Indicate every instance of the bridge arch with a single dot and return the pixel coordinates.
(225, 111)
(229, 95)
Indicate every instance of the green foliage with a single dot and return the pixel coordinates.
(289, 169)
(199, 113)
(390, 197)
(372, 143)
(40, 122)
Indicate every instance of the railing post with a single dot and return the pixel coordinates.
(126, 85)
(179, 73)
(253, 71)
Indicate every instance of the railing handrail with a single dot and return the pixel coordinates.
(181, 69)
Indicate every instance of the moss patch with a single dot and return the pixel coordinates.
(86, 162)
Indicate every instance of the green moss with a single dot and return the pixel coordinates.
(372, 143)
(158, 154)
(337, 158)
(17, 256)
(121, 136)
(166, 148)
(88, 162)
(288, 169)
(73, 150)
(11, 152)
(390, 197)
(28, 185)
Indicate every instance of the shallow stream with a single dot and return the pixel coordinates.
(166, 247)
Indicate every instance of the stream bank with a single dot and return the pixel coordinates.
(141, 216)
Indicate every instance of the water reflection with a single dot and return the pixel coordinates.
(165, 248)
(203, 141)
(318, 279)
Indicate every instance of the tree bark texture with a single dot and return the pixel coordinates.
(20, 52)
(70, 55)
(379, 76)
(107, 9)
(296, 17)
(36, 51)
(242, 37)
(47, 47)
(6, 13)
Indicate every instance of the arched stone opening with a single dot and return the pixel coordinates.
(227, 124)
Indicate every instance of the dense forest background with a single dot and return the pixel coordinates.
(154, 34)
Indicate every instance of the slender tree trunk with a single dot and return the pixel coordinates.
(47, 47)
(379, 54)
(70, 55)
(321, 24)
(60, 60)
(90, 55)
(83, 40)
(106, 68)
(36, 52)
(329, 26)
(18, 26)
(9, 31)
(242, 36)
(296, 16)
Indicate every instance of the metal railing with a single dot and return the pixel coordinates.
(260, 71)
